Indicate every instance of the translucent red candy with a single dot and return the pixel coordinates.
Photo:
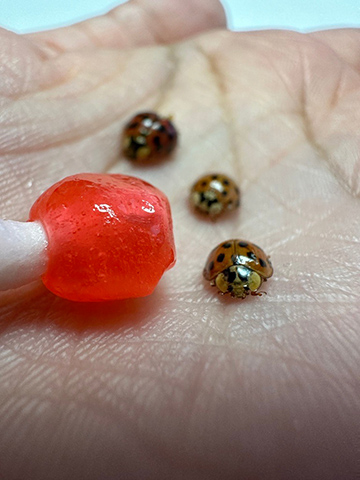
(110, 237)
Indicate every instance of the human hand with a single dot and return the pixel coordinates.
(185, 384)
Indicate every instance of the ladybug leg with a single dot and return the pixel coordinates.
(258, 294)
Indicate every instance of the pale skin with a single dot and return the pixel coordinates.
(186, 384)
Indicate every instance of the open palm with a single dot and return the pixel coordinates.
(185, 384)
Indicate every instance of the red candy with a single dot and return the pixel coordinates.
(110, 237)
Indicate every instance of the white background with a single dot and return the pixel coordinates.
(32, 15)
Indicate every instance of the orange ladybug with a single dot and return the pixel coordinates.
(238, 267)
(147, 136)
(215, 194)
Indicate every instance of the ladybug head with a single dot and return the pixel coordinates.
(238, 281)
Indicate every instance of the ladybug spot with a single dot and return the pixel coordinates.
(224, 193)
(226, 245)
(231, 276)
(202, 197)
(262, 262)
(225, 182)
(251, 255)
(203, 184)
(243, 244)
(157, 142)
(220, 257)
(214, 177)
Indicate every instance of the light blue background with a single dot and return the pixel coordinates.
(32, 15)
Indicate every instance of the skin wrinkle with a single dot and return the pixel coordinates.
(103, 85)
(303, 357)
(309, 131)
(50, 48)
(283, 78)
(90, 33)
(309, 170)
(81, 422)
(128, 26)
(60, 79)
(336, 52)
(354, 179)
(288, 359)
(73, 138)
(34, 376)
(249, 126)
(173, 60)
(255, 368)
(27, 409)
(311, 255)
(283, 203)
(338, 93)
(152, 18)
(96, 361)
(328, 297)
(56, 423)
(36, 63)
(273, 161)
(307, 128)
(227, 115)
(97, 367)
(298, 234)
(345, 343)
(192, 463)
(347, 367)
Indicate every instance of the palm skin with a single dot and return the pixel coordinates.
(185, 384)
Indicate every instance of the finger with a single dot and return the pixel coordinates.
(137, 23)
(344, 42)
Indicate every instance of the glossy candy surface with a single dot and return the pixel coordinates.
(148, 137)
(110, 237)
(238, 268)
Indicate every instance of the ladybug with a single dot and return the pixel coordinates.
(238, 267)
(147, 136)
(215, 194)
